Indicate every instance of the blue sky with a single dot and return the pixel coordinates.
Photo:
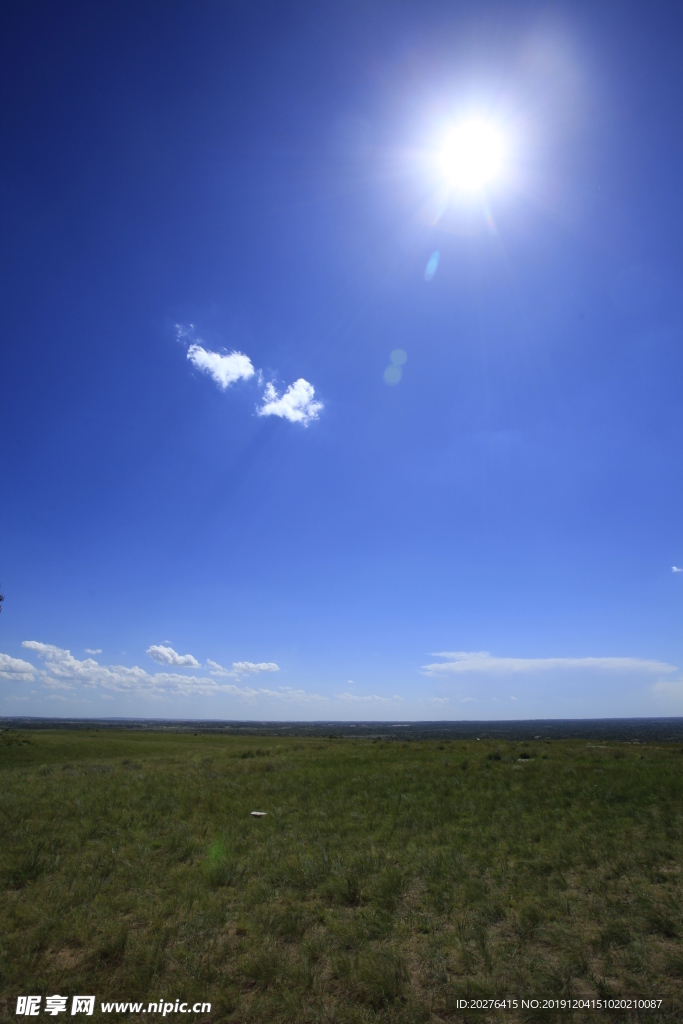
(220, 495)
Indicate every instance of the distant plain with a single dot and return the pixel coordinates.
(390, 877)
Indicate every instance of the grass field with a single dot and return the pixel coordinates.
(387, 881)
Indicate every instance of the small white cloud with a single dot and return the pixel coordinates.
(16, 669)
(216, 669)
(184, 333)
(439, 700)
(167, 656)
(252, 667)
(225, 369)
(93, 650)
(513, 698)
(297, 404)
(287, 693)
(242, 668)
(458, 662)
(370, 698)
(674, 568)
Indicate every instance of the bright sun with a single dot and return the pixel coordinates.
(472, 155)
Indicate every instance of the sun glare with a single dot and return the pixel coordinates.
(472, 155)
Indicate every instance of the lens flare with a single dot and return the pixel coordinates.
(432, 265)
(392, 374)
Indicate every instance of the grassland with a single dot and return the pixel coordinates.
(387, 880)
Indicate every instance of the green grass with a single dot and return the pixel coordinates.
(387, 881)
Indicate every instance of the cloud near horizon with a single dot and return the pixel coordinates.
(167, 656)
(297, 404)
(16, 669)
(65, 673)
(251, 667)
(460, 662)
(371, 698)
(241, 668)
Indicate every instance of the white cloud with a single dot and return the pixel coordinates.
(674, 568)
(225, 369)
(60, 665)
(216, 669)
(15, 669)
(371, 698)
(184, 334)
(439, 700)
(297, 404)
(167, 656)
(62, 670)
(251, 667)
(459, 662)
(287, 693)
(242, 668)
(91, 650)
